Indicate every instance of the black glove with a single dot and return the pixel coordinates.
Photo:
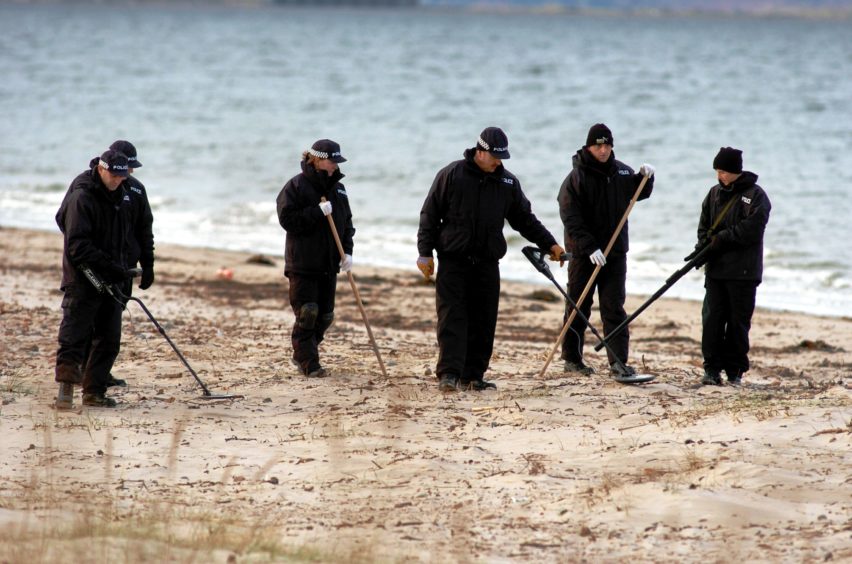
(698, 247)
(147, 277)
(717, 242)
(113, 273)
(691, 255)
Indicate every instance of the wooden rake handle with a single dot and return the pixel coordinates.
(357, 294)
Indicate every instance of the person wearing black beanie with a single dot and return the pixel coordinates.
(592, 201)
(733, 220)
(729, 160)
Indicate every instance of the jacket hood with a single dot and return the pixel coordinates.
(745, 181)
(583, 159)
(320, 178)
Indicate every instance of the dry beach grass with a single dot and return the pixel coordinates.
(357, 468)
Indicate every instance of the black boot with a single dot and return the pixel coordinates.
(98, 400)
(449, 383)
(478, 385)
(735, 377)
(711, 377)
(113, 381)
(585, 370)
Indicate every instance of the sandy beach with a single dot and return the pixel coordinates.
(361, 468)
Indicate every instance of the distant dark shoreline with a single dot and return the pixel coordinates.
(759, 10)
(349, 3)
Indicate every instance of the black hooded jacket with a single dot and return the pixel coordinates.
(466, 208)
(310, 247)
(592, 201)
(739, 255)
(141, 218)
(97, 228)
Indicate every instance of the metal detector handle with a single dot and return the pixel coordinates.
(95, 280)
(536, 257)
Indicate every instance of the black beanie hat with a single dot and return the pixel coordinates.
(599, 134)
(729, 160)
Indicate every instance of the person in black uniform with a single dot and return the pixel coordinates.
(733, 219)
(592, 201)
(97, 229)
(142, 242)
(311, 258)
(141, 218)
(462, 219)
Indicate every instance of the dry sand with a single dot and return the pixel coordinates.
(360, 468)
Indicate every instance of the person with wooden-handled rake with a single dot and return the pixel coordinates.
(311, 259)
(594, 201)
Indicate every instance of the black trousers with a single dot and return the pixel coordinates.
(467, 299)
(726, 321)
(611, 293)
(307, 292)
(89, 337)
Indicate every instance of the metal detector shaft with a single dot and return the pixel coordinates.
(115, 292)
(536, 257)
(680, 273)
(118, 294)
(169, 341)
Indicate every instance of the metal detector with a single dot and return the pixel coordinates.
(697, 261)
(118, 295)
(537, 258)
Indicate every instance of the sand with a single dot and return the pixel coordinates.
(361, 468)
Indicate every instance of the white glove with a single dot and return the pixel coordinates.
(325, 207)
(597, 258)
(346, 263)
(647, 170)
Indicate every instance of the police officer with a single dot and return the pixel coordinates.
(733, 220)
(141, 242)
(592, 201)
(97, 231)
(311, 257)
(462, 219)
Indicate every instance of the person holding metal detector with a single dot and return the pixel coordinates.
(97, 231)
(141, 243)
(311, 256)
(733, 219)
(462, 219)
(593, 202)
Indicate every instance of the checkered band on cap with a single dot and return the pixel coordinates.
(483, 144)
(318, 154)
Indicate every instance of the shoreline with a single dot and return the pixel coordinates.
(355, 467)
(634, 299)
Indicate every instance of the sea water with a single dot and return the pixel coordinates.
(221, 101)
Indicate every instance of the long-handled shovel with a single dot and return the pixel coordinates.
(696, 261)
(118, 296)
(357, 295)
(592, 281)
